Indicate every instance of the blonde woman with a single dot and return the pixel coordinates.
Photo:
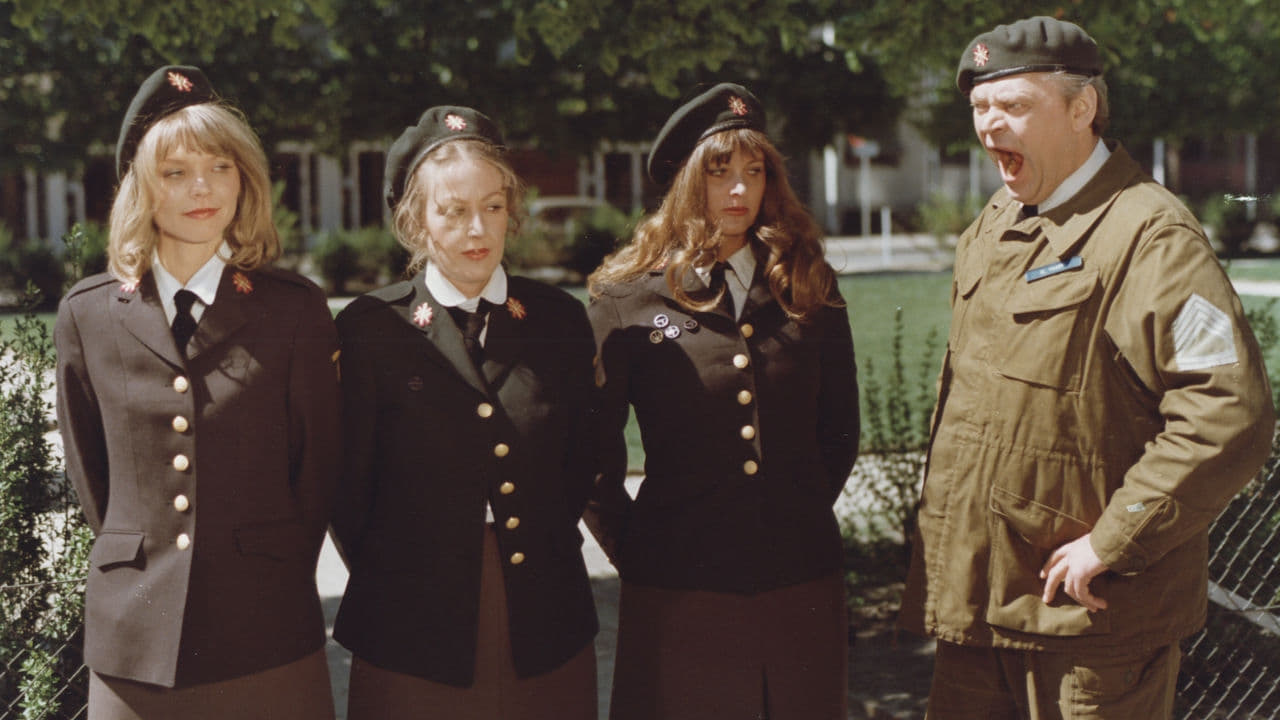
(721, 326)
(466, 399)
(199, 408)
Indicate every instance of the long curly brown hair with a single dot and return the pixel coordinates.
(681, 236)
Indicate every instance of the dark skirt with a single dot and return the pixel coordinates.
(498, 693)
(779, 655)
(295, 691)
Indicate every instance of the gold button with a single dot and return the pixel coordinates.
(517, 558)
(747, 330)
(180, 424)
(513, 522)
(181, 503)
(750, 467)
(507, 488)
(181, 463)
(484, 410)
(741, 361)
(183, 542)
(744, 397)
(181, 384)
(501, 449)
(748, 432)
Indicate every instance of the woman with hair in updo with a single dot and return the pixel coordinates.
(467, 463)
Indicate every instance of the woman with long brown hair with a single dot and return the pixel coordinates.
(721, 325)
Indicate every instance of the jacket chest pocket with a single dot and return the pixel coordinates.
(1050, 324)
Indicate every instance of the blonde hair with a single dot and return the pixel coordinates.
(409, 219)
(207, 128)
(680, 234)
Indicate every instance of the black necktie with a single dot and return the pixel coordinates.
(184, 323)
(719, 284)
(1030, 210)
(472, 324)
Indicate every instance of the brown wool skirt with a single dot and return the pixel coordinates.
(778, 655)
(498, 693)
(295, 691)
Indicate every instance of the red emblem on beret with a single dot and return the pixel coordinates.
(455, 123)
(422, 315)
(737, 105)
(179, 81)
(981, 54)
(242, 283)
(516, 308)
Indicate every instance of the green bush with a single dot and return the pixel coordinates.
(577, 241)
(286, 222)
(1225, 219)
(895, 435)
(25, 263)
(86, 252)
(365, 258)
(605, 228)
(943, 216)
(44, 541)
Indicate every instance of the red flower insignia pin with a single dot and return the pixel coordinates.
(456, 123)
(422, 315)
(242, 283)
(737, 105)
(516, 308)
(129, 288)
(179, 81)
(981, 54)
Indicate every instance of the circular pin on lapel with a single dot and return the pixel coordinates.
(655, 337)
(690, 324)
(661, 320)
(672, 331)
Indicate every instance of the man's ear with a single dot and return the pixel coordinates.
(1084, 108)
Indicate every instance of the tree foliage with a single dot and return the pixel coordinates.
(565, 74)
(1175, 68)
(559, 74)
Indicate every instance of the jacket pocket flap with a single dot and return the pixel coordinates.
(1056, 292)
(285, 540)
(114, 548)
(1040, 525)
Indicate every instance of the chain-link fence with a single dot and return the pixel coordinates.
(42, 677)
(1231, 669)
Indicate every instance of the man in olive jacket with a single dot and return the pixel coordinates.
(1101, 400)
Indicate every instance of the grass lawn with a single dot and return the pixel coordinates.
(1254, 269)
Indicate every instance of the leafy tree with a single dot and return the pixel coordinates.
(1175, 68)
(559, 75)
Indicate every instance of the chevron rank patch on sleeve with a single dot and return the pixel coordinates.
(1202, 336)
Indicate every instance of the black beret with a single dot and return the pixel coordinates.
(1038, 44)
(724, 107)
(165, 92)
(437, 125)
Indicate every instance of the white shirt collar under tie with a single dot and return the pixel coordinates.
(204, 283)
(448, 295)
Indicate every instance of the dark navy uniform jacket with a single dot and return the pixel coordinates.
(207, 481)
(750, 429)
(430, 439)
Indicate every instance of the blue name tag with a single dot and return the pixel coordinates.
(1061, 266)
